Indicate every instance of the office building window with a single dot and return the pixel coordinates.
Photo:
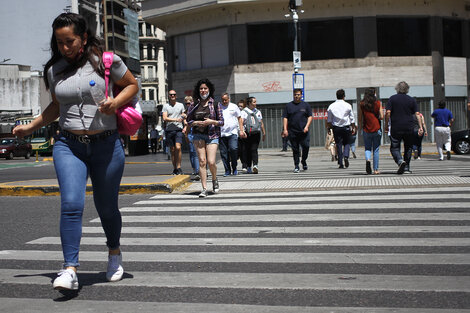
(202, 50)
(317, 40)
(452, 35)
(403, 36)
(148, 30)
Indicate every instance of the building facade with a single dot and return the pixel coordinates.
(245, 48)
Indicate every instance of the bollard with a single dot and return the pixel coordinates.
(37, 156)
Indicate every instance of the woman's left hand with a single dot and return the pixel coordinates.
(108, 107)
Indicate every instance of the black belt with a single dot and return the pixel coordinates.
(87, 138)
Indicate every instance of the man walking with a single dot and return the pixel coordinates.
(297, 117)
(154, 139)
(399, 113)
(229, 132)
(443, 120)
(173, 115)
(341, 121)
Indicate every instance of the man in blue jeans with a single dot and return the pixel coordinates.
(400, 109)
(229, 132)
(297, 117)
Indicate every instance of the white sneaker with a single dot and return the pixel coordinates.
(115, 270)
(66, 280)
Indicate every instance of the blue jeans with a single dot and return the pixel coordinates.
(193, 154)
(103, 160)
(372, 145)
(229, 152)
(298, 141)
(395, 142)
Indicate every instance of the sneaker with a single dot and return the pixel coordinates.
(304, 167)
(235, 172)
(401, 168)
(448, 155)
(180, 171)
(203, 193)
(346, 162)
(248, 171)
(415, 154)
(407, 171)
(175, 171)
(368, 168)
(332, 158)
(227, 173)
(341, 166)
(66, 280)
(255, 169)
(215, 185)
(354, 155)
(115, 270)
(244, 170)
(419, 158)
(296, 170)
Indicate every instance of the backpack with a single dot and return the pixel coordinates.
(252, 123)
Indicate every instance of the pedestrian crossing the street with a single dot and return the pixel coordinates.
(382, 250)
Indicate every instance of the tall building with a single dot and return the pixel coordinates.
(246, 49)
(153, 68)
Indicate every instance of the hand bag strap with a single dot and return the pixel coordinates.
(108, 62)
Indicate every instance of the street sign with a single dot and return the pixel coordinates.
(298, 83)
(297, 59)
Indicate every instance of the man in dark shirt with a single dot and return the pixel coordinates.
(400, 110)
(297, 117)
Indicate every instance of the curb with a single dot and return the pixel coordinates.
(166, 186)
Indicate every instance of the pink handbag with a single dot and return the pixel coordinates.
(127, 117)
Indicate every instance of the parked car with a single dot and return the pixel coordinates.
(461, 141)
(41, 145)
(11, 147)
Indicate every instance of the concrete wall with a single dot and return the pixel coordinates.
(175, 16)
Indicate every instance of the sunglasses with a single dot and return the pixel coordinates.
(172, 94)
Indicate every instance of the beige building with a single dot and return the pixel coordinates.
(245, 48)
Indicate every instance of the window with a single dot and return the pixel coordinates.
(148, 30)
(149, 52)
(317, 40)
(141, 25)
(270, 43)
(151, 94)
(144, 91)
(202, 50)
(403, 36)
(141, 48)
(452, 35)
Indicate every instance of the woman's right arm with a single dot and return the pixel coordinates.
(50, 114)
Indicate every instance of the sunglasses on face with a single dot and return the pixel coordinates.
(172, 94)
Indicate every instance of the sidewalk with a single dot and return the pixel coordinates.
(276, 175)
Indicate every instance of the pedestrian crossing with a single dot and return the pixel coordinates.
(383, 250)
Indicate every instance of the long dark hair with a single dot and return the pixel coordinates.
(369, 99)
(196, 95)
(92, 51)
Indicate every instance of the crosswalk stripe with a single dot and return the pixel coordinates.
(270, 281)
(313, 198)
(294, 217)
(249, 257)
(438, 190)
(41, 305)
(163, 207)
(284, 230)
(390, 242)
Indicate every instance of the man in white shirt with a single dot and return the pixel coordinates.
(173, 115)
(229, 132)
(341, 121)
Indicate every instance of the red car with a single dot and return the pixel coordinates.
(11, 147)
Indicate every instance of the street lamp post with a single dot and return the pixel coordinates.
(297, 79)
